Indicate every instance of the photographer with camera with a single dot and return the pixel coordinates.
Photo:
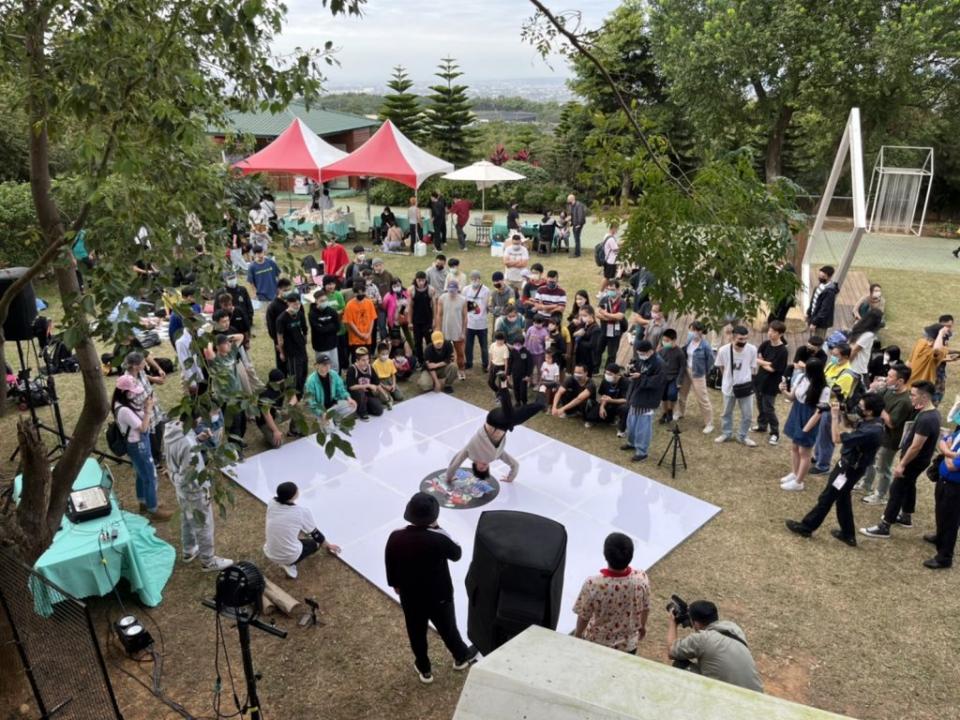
(858, 449)
(717, 648)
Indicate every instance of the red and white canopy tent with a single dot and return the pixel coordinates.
(391, 155)
(298, 150)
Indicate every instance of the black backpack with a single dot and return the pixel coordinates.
(58, 358)
(116, 438)
(852, 401)
(600, 253)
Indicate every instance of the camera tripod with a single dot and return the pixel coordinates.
(675, 444)
(23, 376)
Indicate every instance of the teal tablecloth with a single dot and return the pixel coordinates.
(529, 230)
(426, 223)
(340, 228)
(73, 560)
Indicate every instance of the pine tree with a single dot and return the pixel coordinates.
(450, 115)
(402, 107)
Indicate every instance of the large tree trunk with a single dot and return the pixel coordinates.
(773, 161)
(34, 494)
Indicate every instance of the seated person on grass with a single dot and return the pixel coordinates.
(386, 370)
(364, 386)
(270, 419)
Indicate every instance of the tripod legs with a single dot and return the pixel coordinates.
(676, 445)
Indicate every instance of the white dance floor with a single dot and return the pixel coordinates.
(358, 502)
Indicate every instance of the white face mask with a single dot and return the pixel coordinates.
(232, 282)
(608, 377)
(384, 356)
(361, 257)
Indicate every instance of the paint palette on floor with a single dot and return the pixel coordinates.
(359, 501)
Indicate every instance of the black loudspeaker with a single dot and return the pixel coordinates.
(516, 576)
(23, 309)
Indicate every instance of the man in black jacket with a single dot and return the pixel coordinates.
(438, 214)
(417, 570)
(647, 378)
(820, 312)
(324, 327)
(240, 295)
(276, 308)
(578, 218)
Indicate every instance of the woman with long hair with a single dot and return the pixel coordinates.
(873, 300)
(581, 299)
(133, 418)
(810, 395)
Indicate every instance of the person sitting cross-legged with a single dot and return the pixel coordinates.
(325, 392)
(291, 532)
(612, 607)
(439, 365)
(364, 386)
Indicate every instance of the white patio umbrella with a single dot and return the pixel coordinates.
(485, 174)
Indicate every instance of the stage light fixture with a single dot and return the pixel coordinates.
(132, 634)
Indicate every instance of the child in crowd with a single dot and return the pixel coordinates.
(549, 377)
(674, 362)
(386, 371)
(536, 341)
(556, 341)
(499, 357)
(520, 367)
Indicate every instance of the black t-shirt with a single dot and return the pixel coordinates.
(270, 402)
(513, 219)
(293, 330)
(275, 309)
(572, 388)
(926, 423)
(357, 377)
(859, 446)
(777, 355)
(444, 354)
(324, 328)
(521, 364)
(803, 354)
(616, 390)
(328, 400)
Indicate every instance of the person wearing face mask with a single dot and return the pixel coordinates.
(364, 386)
(423, 300)
(881, 362)
(611, 312)
(822, 302)
(572, 397)
(673, 364)
(611, 406)
(396, 309)
(439, 367)
(812, 349)
(515, 260)
(512, 325)
(550, 297)
(842, 381)
(292, 340)
(589, 340)
(528, 294)
(478, 298)
(455, 274)
(772, 359)
(647, 378)
(738, 361)
(581, 298)
(500, 296)
(240, 296)
(520, 367)
(354, 271)
(437, 274)
(897, 409)
(324, 327)
(916, 450)
(699, 362)
(873, 300)
(858, 448)
(535, 341)
(359, 317)
(452, 322)
(386, 371)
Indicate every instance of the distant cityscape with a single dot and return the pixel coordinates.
(538, 89)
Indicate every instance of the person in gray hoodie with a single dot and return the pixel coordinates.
(489, 442)
(196, 509)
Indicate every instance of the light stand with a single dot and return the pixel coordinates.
(239, 597)
(24, 377)
(677, 446)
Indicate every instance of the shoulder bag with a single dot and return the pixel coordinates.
(740, 390)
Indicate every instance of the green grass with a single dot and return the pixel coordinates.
(864, 631)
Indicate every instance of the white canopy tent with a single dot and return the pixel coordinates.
(485, 174)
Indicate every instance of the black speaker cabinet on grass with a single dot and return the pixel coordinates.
(516, 576)
(23, 309)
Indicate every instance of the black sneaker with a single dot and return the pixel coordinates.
(448, 390)
(838, 534)
(798, 528)
(927, 537)
(817, 471)
(639, 458)
(365, 418)
(627, 446)
(880, 530)
(935, 564)
(469, 660)
(758, 429)
(904, 520)
(425, 677)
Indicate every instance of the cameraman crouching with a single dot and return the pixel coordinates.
(717, 649)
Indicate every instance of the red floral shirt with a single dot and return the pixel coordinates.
(614, 602)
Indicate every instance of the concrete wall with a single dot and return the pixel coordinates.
(543, 675)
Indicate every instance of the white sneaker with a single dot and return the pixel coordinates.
(858, 487)
(621, 434)
(792, 486)
(708, 430)
(749, 442)
(721, 439)
(189, 554)
(461, 376)
(789, 477)
(873, 498)
(216, 563)
(291, 571)
(774, 440)
(588, 425)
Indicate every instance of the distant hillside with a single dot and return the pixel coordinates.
(368, 104)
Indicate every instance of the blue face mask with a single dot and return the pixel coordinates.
(691, 336)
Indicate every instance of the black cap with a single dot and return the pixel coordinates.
(286, 491)
(292, 296)
(423, 509)
(740, 330)
(613, 367)
(497, 276)
(322, 358)
(644, 346)
(276, 375)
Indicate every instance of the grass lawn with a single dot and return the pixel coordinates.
(864, 631)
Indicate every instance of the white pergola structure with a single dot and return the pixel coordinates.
(850, 144)
(895, 189)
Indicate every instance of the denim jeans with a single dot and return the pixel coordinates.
(882, 466)
(823, 449)
(481, 336)
(461, 237)
(640, 430)
(746, 415)
(141, 457)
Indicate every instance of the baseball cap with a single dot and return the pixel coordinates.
(323, 358)
(361, 351)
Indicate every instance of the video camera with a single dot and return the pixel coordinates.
(680, 610)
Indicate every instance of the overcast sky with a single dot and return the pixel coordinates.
(483, 35)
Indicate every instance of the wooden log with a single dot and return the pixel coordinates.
(283, 600)
(268, 605)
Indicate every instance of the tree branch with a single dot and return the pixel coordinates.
(581, 48)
